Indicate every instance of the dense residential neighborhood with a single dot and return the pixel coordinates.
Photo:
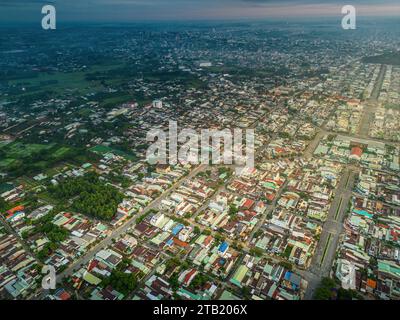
(320, 207)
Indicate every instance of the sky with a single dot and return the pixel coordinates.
(156, 10)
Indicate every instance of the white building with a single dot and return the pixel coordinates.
(157, 104)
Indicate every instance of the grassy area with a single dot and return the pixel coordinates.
(326, 248)
(391, 58)
(338, 209)
(61, 151)
(61, 81)
(19, 149)
(20, 159)
(49, 199)
(3, 143)
(29, 183)
(347, 181)
(14, 152)
(120, 99)
(393, 106)
(6, 162)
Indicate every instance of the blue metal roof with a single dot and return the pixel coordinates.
(177, 228)
(224, 245)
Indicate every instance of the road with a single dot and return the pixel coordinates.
(124, 228)
(88, 256)
(270, 208)
(308, 153)
(371, 104)
(325, 252)
(15, 234)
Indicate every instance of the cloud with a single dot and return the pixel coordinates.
(137, 10)
(24, 2)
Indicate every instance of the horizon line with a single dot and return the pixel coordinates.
(202, 20)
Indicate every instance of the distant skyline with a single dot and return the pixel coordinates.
(156, 10)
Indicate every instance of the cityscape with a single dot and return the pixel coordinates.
(84, 214)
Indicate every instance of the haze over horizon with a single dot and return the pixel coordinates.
(156, 10)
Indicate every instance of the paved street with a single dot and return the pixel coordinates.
(124, 228)
(325, 253)
(371, 104)
(16, 235)
(326, 250)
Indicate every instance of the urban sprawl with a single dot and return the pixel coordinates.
(318, 217)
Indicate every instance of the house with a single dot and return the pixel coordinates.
(187, 276)
(223, 248)
(356, 153)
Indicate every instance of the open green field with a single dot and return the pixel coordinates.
(18, 149)
(15, 151)
(19, 159)
(3, 143)
(390, 58)
(61, 152)
(61, 81)
(112, 101)
(6, 162)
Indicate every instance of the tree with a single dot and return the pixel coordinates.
(47, 250)
(349, 294)
(324, 291)
(233, 210)
(92, 197)
(256, 252)
(286, 265)
(198, 281)
(121, 281)
(174, 282)
(55, 233)
(246, 293)
(125, 263)
(3, 204)
(219, 237)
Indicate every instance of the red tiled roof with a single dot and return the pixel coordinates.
(371, 283)
(180, 243)
(189, 275)
(248, 204)
(17, 208)
(65, 296)
(356, 151)
(208, 240)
